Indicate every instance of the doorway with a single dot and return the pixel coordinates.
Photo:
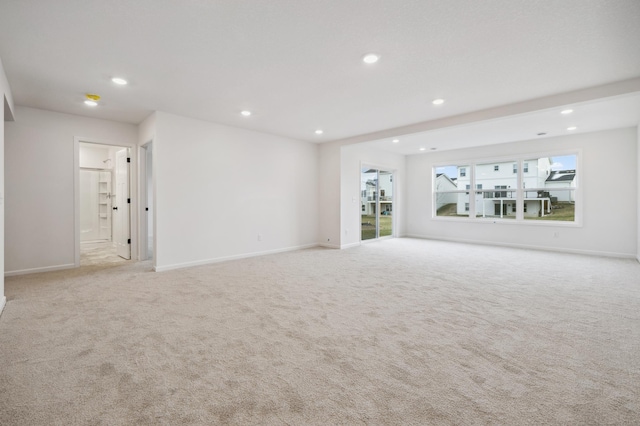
(146, 196)
(376, 216)
(103, 204)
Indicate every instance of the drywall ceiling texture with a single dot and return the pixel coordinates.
(297, 64)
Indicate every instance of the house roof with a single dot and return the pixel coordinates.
(561, 175)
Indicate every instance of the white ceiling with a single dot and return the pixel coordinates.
(296, 64)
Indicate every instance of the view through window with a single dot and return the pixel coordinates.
(547, 189)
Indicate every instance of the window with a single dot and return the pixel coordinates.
(450, 189)
(547, 186)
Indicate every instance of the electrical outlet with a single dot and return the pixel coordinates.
(556, 234)
(259, 237)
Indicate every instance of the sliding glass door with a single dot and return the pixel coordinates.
(376, 193)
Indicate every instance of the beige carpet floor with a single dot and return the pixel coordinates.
(399, 332)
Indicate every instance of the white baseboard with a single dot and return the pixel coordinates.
(3, 302)
(37, 270)
(331, 246)
(346, 246)
(528, 247)
(228, 258)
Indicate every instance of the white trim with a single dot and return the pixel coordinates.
(133, 187)
(41, 269)
(330, 246)
(3, 303)
(234, 257)
(359, 243)
(528, 247)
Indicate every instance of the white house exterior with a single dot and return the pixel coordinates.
(384, 181)
(444, 183)
(561, 179)
(496, 185)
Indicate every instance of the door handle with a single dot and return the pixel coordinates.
(115, 208)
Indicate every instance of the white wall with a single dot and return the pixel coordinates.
(638, 187)
(39, 174)
(329, 175)
(217, 188)
(93, 156)
(610, 207)
(6, 111)
(352, 158)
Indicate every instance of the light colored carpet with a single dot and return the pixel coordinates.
(99, 253)
(403, 331)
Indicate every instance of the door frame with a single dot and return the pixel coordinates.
(133, 193)
(394, 222)
(143, 189)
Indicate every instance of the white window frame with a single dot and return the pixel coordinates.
(521, 160)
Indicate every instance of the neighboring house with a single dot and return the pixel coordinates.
(561, 179)
(368, 195)
(496, 185)
(444, 183)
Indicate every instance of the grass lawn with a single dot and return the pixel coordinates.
(368, 227)
(562, 211)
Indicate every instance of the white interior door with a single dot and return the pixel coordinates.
(121, 208)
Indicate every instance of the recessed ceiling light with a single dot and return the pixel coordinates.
(542, 133)
(433, 149)
(246, 113)
(371, 58)
(118, 80)
(91, 99)
(319, 132)
(438, 101)
(571, 128)
(395, 140)
(423, 149)
(566, 111)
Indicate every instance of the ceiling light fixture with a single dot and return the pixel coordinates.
(91, 99)
(438, 101)
(120, 81)
(371, 58)
(571, 128)
(542, 133)
(423, 149)
(433, 149)
(395, 140)
(246, 113)
(566, 111)
(319, 132)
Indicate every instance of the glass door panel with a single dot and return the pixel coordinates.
(385, 188)
(368, 196)
(376, 194)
